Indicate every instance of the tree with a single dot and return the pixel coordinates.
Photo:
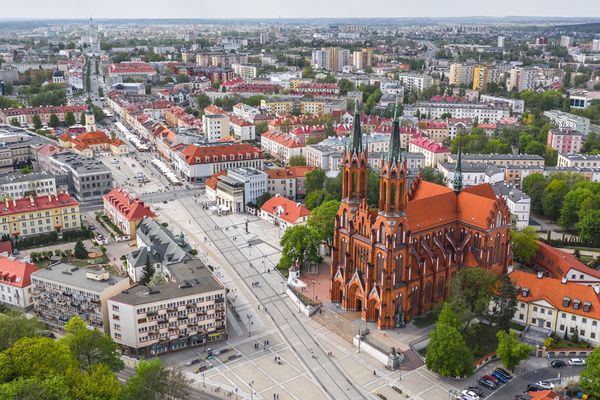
(15, 327)
(471, 290)
(80, 251)
(297, 161)
(298, 244)
(447, 353)
(448, 317)
(569, 213)
(431, 175)
(152, 381)
(524, 243)
(91, 347)
(70, 119)
(157, 279)
(261, 128)
(315, 180)
(99, 383)
(504, 303)
(54, 121)
(203, 101)
(48, 388)
(510, 350)
(589, 227)
(590, 376)
(37, 121)
(262, 199)
(82, 119)
(35, 357)
(345, 86)
(182, 78)
(322, 221)
(147, 272)
(15, 122)
(534, 185)
(314, 199)
(553, 197)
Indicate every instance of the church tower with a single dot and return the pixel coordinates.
(355, 161)
(90, 120)
(457, 181)
(392, 182)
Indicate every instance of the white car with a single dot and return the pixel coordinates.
(467, 394)
(545, 384)
(576, 361)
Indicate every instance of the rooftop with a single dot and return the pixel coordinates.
(38, 203)
(93, 280)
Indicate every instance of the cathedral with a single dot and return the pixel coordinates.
(394, 262)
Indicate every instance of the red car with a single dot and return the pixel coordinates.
(491, 378)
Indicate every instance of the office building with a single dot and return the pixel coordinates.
(17, 185)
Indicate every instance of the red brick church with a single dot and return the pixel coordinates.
(394, 262)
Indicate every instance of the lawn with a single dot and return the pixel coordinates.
(425, 320)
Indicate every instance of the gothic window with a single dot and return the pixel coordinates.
(398, 271)
(477, 241)
(380, 261)
(440, 287)
(499, 219)
(382, 233)
(496, 249)
(399, 235)
(428, 290)
(344, 219)
(344, 252)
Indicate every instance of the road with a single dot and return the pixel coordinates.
(241, 260)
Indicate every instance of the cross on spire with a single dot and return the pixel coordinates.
(356, 132)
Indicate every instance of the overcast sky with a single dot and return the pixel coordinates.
(296, 8)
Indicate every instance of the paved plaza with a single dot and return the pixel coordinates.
(303, 345)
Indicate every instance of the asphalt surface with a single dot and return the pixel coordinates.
(518, 385)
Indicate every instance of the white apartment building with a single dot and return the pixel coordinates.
(579, 160)
(569, 121)
(518, 203)
(185, 313)
(242, 129)
(521, 79)
(17, 185)
(216, 127)
(245, 111)
(282, 146)
(517, 106)
(245, 71)
(482, 112)
(415, 82)
(63, 291)
(254, 180)
(15, 282)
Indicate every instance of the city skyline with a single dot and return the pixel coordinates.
(70, 9)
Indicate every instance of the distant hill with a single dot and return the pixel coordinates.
(593, 27)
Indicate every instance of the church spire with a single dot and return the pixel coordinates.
(394, 152)
(457, 181)
(356, 132)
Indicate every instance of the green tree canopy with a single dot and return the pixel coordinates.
(569, 213)
(322, 221)
(471, 290)
(262, 199)
(37, 121)
(524, 243)
(14, 327)
(589, 227)
(510, 350)
(590, 376)
(297, 161)
(80, 251)
(447, 353)
(153, 381)
(552, 200)
(91, 347)
(70, 118)
(315, 180)
(147, 272)
(298, 243)
(504, 303)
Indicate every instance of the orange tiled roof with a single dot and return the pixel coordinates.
(289, 172)
(558, 263)
(133, 209)
(205, 154)
(214, 179)
(544, 395)
(15, 272)
(285, 209)
(554, 291)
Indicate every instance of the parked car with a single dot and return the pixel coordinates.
(532, 387)
(476, 390)
(545, 384)
(558, 364)
(192, 362)
(469, 395)
(576, 361)
(521, 397)
(500, 377)
(491, 378)
(504, 372)
(486, 383)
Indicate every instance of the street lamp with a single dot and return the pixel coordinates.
(251, 390)
(249, 324)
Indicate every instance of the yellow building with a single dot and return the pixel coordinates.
(37, 215)
(480, 77)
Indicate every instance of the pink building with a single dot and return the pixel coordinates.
(565, 141)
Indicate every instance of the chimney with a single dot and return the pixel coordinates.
(509, 269)
(540, 275)
(14, 203)
(564, 279)
(31, 200)
(597, 289)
